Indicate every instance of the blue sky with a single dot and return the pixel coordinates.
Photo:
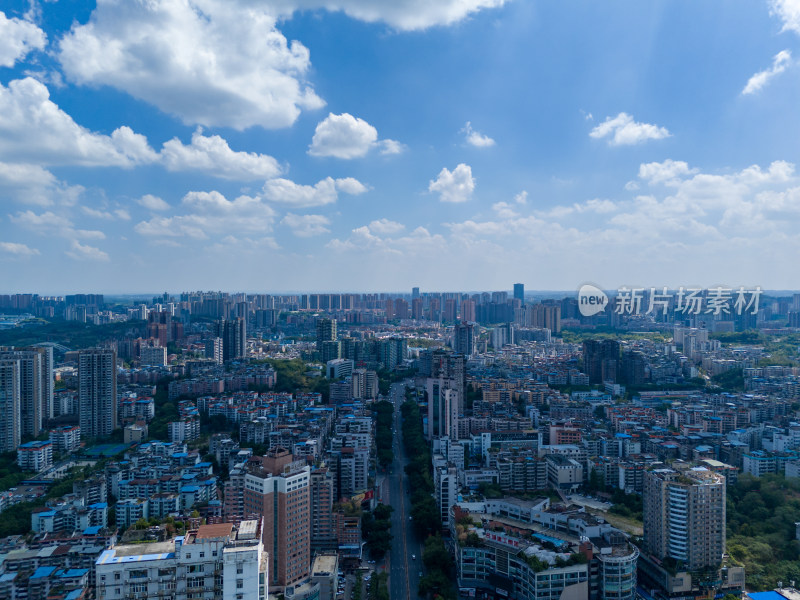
(353, 145)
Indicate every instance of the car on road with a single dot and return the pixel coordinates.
(420, 573)
(410, 518)
(413, 557)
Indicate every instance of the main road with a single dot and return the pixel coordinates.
(403, 569)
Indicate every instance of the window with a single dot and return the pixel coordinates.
(239, 584)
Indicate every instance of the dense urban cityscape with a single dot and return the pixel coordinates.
(346, 446)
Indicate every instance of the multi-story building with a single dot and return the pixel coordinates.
(214, 561)
(153, 355)
(35, 456)
(277, 489)
(684, 516)
(65, 439)
(97, 375)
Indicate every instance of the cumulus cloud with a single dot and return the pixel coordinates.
(213, 63)
(476, 139)
(107, 215)
(18, 250)
(17, 39)
(285, 191)
(34, 129)
(454, 186)
(50, 224)
(151, 202)
(622, 130)
(789, 12)
(405, 15)
(668, 172)
(306, 225)
(32, 184)
(213, 156)
(345, 136)
(209, 214)
(386, 227)
(780, 63)
(80, 251)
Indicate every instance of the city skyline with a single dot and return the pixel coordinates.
(200, 144)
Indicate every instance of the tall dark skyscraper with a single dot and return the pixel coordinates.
(234, 337)
(414, 293)
(519, 292)
(601, 360)
(464, 339)
(326, 332)
(97, 376)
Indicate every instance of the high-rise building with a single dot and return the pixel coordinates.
(97, 404)
(278, 489)
(234, 337)
(444, 405)
(450, 307)
(464, 339)
(519, 292)
(468, 311)
(10, 409)
(601, 360)
(326, 332)
(414, 293)
(214, 349)
(684, 516)
(35, 385)
(323, 496)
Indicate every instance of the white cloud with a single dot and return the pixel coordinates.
(406, 15)
(285, 191)
(789, 12)
(306, 225)
(454, 186)
(622, 130)
(780, 62)
(213, 156)
(668, 172)
(20, 250)
(50, 224)
(17, 39)
(107, 215)
(34, 129)
(345, 136)
(476, 139)
(391, 147)
(80, 251)
(350, 185)
(32, 184)
(521, 198)
(210, 214)
(386, 227)
(504, 210)
(209, 62)
(153, 202)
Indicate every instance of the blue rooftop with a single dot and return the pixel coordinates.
(42, 572)
(771, 595)
(92, 530)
